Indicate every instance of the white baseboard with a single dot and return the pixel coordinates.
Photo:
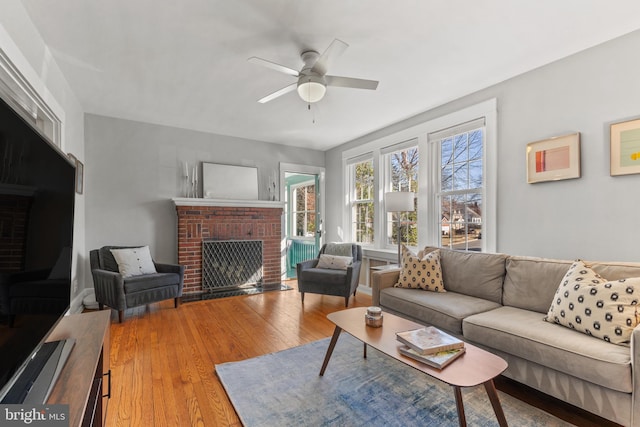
(364, 289)
(85, 299)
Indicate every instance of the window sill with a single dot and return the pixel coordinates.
(380, 254)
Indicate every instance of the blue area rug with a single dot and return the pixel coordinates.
(284, 389)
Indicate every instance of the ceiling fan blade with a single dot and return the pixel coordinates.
(335, 49)
(279, 93)
(351, 82)
(274, 66)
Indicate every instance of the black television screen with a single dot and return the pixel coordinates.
(37, 196)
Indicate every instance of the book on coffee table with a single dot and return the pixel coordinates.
(429, 340)
(437, 360)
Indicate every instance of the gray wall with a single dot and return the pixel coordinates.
(24, 47)
(593, 217)
(133, 170)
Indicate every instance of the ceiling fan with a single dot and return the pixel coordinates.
(312, 78)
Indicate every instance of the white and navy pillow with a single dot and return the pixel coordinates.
(588, 303)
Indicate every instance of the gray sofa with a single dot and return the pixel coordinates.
(498, 302)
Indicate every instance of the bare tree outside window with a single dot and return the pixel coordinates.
(404, 177)
(461, 190)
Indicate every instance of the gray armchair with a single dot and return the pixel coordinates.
(341, 283)
(120, 293)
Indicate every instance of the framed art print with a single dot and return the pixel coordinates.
(554, 159)
(625, 147)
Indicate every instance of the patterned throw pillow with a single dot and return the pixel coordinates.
(421, 273)
(588, 303)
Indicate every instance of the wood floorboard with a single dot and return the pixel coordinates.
(163, 359)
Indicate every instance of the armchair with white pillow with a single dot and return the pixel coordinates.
(336, 271)
(126, 277)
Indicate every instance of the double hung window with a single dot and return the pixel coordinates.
(361, 200)
(401, 166)
(460, 196)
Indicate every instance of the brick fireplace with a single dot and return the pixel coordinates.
(211, 219)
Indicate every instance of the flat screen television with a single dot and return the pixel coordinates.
(37, 196)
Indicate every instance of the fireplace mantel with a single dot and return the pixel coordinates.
(184, 201)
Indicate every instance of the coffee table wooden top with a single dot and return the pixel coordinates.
(476, 366)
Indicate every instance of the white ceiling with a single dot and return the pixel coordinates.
(184, 63)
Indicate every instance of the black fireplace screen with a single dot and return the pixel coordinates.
(231, 264)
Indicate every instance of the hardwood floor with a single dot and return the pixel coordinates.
(162, 359)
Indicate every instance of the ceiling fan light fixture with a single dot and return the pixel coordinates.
(311, 88)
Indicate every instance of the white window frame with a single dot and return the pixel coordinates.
(428, 228)
(350, 189)
(431, 229)
(436, 139)
(292, 215)
(18, 92)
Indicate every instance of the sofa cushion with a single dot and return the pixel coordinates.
(615, 271)
(441, 309)
(150, 281)
(334, 262)
(524, 334)
(134, 261)
(588, 303)
(421, 272)
(476, 274)
(532, 282)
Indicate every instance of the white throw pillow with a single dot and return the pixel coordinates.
(334, 262)
(134, 261)
(588, 303)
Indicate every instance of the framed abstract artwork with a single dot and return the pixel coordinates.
(554, 159)
(625, 147)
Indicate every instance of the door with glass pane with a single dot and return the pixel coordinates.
(303, 223)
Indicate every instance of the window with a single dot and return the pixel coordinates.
(402, 175)
(449, 162)
(361, 200)
(461, 185)
(304, 210)
(20, 95)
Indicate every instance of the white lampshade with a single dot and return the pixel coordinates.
(311, 88)
(399, 201)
